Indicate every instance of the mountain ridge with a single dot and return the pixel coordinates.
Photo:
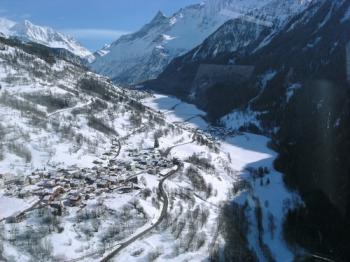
(27, 31)
(144, 54)
(299, 96)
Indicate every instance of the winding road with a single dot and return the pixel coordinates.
(163, 213)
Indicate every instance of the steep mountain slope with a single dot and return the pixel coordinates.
(88, 171)
(299, 95)
(38, 97)
(43, 35)
(143, 55)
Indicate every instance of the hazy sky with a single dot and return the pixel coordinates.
(93, 22)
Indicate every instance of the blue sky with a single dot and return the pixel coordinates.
(93, 22)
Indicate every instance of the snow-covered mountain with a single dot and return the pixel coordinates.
(28, 31)
(299, 94)
(144, 54)
(5, 26)
(87, 165)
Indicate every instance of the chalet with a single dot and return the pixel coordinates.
(33, 179)
(113, 180)
(155, 163)
(73, 199)
(45, 192)
(103, 183)
(77, 175)
(75, 183)
(143, 162)
(23, 194)
(65, 184)
(47, 184)
(89, 189)
(140, 167)
(89, 180)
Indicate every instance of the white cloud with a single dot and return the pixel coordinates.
(92, 33)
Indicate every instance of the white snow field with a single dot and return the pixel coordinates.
(123, 173)
(237, 154)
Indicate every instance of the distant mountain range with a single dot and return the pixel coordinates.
(276, 67)
(27, 31)
(144, 54)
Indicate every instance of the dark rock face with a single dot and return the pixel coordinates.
(181, 76)
(46, 53)
(348, 60)
(313, 137)
(209, 75)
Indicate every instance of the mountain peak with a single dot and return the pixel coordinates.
(160, 14)
(152, 47)
(27, 23)
(159, 17)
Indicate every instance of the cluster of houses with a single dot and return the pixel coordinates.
(147, 160)
(73, 186)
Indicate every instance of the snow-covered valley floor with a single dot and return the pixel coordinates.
(246, 153)
(91, 171)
